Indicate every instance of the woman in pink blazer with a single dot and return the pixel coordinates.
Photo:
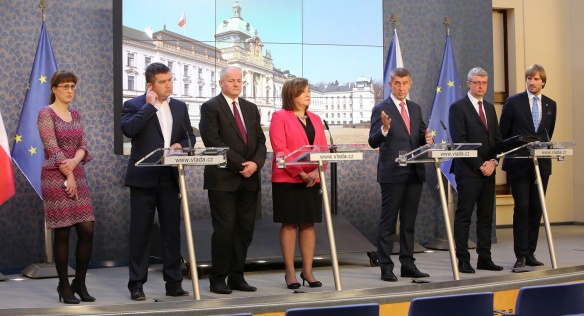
(296, 194)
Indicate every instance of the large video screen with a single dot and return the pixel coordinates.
(336, 44)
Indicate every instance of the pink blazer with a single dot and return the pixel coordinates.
(286, 135)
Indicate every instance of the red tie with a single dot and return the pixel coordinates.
(404, 115)
(239, 122)
(482, 116)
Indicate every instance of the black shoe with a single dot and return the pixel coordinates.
(520, 263)
(413, 273)
(310, 284)
(291, 286)
(388, 276)
(178, 291)
(79, 289)
(66, 300)
(137, 294)
(220, 288)
(488, 265)
(531, 261)
(465, 267)
(242, 286)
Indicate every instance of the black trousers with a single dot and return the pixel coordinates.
(479, 191)
(403, 199)
(527, 212)
(163, 198)
(233, 219)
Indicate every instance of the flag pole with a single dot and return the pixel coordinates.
(47, 269)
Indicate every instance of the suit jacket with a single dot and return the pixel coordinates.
(286, 135)
(467, 127)
(140, 123)
(397, 139)
(516, 120)
(219, 129)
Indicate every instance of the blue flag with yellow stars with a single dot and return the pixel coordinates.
(447, 92)
(27, 151)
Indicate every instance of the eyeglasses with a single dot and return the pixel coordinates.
(479, 83)
(67, 87)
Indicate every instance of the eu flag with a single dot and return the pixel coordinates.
(28, 150)
(447, 92)
(394, 60)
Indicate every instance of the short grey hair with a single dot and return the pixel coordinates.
(225, 70)
(476, 71)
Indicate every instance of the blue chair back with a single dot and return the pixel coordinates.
(344, 310)
(476, 304)
(550, 300)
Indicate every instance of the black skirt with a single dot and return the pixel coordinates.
(294, 203)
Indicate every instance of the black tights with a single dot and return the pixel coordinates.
(82, 253)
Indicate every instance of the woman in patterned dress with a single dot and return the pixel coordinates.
(64, 188)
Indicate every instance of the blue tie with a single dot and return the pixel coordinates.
(535, 114)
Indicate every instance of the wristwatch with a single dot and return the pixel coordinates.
(496, 162)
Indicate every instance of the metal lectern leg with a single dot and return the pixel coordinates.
(329, 226)
(451, 248)
(546, 221)
(188, 231)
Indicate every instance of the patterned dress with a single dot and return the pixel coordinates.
(61, 140)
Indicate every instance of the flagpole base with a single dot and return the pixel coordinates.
(44, 270)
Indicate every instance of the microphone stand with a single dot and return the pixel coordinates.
(333, 167)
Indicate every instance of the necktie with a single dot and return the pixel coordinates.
(482, 116)
(239, 122)
(404, 115)
(535, 113)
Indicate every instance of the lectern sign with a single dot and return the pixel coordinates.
(552, 152)
(193, 160)
(452, 154)
(334, 156)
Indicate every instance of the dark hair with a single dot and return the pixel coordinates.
(399, 72)
(290, 90)
(60, 76)
(154, 69)
(533, 70)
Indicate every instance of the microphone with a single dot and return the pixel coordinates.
(547, 135)
(191, 151)
(333, 148)
(447, 134)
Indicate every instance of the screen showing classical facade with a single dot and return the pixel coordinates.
(336, 44)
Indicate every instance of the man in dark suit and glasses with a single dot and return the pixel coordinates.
(397, 125)
(230, 121)
(474, 120)
(153, 121)
(529, 113)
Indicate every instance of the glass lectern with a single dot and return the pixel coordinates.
(180, 158)
(321, 154)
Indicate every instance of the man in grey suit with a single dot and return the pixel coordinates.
(397, 125)
(474, 120)
(230, 121)
(529, 113)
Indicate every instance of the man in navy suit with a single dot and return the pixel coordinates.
(230, 121)
(153, 121)
(529, 113)
(474, 120)
(397, 125)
